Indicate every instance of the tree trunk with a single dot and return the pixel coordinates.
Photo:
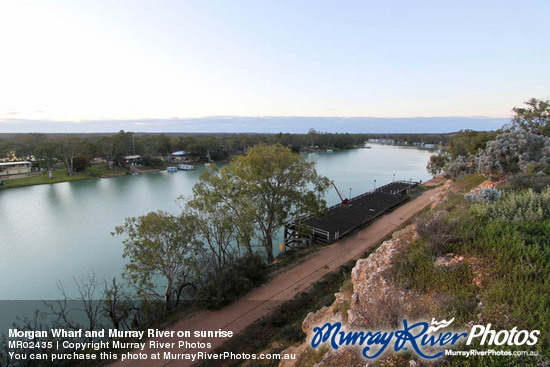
(167, 302)
(69, 171)
(269, 247)
(167, 296)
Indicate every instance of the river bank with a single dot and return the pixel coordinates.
(41, 178)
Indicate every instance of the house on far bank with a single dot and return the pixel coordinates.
(15, 168)
(180, 155)
(133, 159)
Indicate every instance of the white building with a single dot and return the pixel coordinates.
(15, 168)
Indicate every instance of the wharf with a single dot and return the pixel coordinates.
(342, 219)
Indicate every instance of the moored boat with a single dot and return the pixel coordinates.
(186, 167)
(171, 169)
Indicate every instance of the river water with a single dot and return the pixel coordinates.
(51, 233)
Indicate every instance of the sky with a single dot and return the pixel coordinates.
(78, 65)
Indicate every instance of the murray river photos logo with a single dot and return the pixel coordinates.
(425, 340)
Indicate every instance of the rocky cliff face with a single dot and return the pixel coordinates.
(370, 301)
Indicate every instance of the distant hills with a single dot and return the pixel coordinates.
(269, 124)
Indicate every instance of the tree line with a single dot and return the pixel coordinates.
(76, 150)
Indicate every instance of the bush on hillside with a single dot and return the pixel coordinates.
(535, 182)
(461, 166)
(526, 206)
(485, 194)
(437, 231)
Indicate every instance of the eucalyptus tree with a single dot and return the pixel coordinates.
(217, 231)
(107, 149)
(437, 164)
(68, 149)
(48, 152)
(534, 118)
(160, 245)
(263, 189)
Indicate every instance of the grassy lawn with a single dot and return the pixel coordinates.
(58, 176)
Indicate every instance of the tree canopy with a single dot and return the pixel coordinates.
(159, 244)
(534, 118)
(263, 189)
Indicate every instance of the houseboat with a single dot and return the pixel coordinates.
(186, 167)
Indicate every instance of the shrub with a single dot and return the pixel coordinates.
(437, 231)
(486, 195)
(460, 166)
(536, 182)
(437, 163)
(152, 162)
(522, 206)
(80, 163)
(94, 171)
(514, 151)
(222, 288)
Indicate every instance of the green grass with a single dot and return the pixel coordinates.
(467, 183)
(58, 176)
(511, 255)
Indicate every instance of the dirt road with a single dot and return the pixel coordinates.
(261, 301)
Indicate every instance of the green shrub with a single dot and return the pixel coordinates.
(94, 171)
(80, 163)
(517, 292)
(291, 333)
(437, 231)
(452, 285)
(152, 162)
(535, 182)
(221, 289)
(522, 206)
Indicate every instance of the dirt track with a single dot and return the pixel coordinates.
(261, 301)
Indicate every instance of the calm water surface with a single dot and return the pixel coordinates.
(50, 233)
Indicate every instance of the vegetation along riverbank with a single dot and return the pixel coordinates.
(87, 156)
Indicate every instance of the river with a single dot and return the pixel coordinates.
(51, 233)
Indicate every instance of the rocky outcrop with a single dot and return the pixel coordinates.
(370, 301)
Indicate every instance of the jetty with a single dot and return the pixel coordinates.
(346, 216)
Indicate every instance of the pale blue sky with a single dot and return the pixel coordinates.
(94, 60)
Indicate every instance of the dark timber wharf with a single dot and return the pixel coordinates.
(341, 219)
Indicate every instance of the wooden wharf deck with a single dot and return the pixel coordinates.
(342, 219)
